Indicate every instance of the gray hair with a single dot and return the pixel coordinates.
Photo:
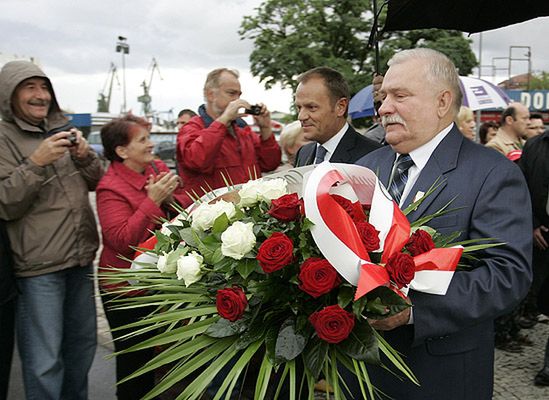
(212, 80)
(441, 71)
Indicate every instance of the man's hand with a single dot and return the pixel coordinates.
(231, 112)
(51, 149)
(81, 148)
(390, 323)
(263, 120)
(539, 239)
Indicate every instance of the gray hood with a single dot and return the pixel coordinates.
(11, 75)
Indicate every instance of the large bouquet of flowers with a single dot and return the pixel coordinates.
(263, 274)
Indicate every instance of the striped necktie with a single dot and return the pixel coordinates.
(320, 154)
(400, 177)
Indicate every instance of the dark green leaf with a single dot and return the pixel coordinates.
(361, 344)
(289, 343)
(382, 295)
(220, 224)
(246, 266)
(315, 355)
(217, 256)
(255, 332)
(224, 328)
(345, 296)
(270, 343)
(188, 236)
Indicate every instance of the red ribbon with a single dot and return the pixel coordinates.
(147, 244)
(336, 218)
(438, 259)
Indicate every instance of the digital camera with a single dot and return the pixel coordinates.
(253, 110)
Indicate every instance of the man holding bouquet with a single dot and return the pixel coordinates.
(448, 341)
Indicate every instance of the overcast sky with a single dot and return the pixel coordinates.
(74, 42)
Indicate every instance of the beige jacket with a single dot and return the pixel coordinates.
(505, 143)
(50, 222)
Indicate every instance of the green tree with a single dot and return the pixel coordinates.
(292, 36)
(539, 81)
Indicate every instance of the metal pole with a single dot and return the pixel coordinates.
(376, 44)
(124, 82)
(477, 136)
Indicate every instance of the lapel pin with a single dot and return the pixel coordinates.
(419, 196)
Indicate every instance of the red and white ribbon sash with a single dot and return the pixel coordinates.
(337, 238)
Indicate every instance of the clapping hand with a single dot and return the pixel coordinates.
(160, 188)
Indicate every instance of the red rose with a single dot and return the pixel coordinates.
(317, 277)
(401, 269)
(420, 242)
(231, 303)
(369, 235)
(286, 208)
(275, 253)
(353, 209)
(332, 324)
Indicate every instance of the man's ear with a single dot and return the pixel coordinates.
(209, 94)
(121, 152)
(445, 101)
(341, 106)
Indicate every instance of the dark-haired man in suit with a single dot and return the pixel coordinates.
(448, 341)
(322, 100)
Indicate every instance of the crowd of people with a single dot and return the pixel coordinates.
(49, 237)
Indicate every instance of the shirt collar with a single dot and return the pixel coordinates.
(421, 155)
(332, 144)
(507, 138)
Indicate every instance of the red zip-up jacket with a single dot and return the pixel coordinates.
(205, 155)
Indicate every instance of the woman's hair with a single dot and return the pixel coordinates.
(483, 130)
(119, 132)
(289, 135)
(464, 114)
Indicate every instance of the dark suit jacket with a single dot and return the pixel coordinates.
(450, 345)
(351, 147)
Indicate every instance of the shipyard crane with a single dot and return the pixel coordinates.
(104, 100)
(145, 99)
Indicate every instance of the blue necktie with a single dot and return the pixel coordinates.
(403, 164)
(320, 154)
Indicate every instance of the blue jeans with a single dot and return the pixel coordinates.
(56, 333)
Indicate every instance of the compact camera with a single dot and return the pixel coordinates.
(72, 138)
(253, 110)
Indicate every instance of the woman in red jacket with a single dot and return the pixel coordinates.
(132, 196)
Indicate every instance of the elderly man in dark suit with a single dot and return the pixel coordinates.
(448, 341)
(322, 100)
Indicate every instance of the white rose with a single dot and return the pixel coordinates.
(189, 268)
(271, 189)
(238, 240)
(163, 265)
(176, 222)
(205, 215)
(248, 193)
(223, 206)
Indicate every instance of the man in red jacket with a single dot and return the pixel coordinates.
(217, 146)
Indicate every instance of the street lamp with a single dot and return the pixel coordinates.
(528, 58)
(124, 48)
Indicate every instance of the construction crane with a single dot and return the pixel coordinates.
(104, 100)
(145, 99)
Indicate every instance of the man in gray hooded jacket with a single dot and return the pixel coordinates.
(46, 171)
